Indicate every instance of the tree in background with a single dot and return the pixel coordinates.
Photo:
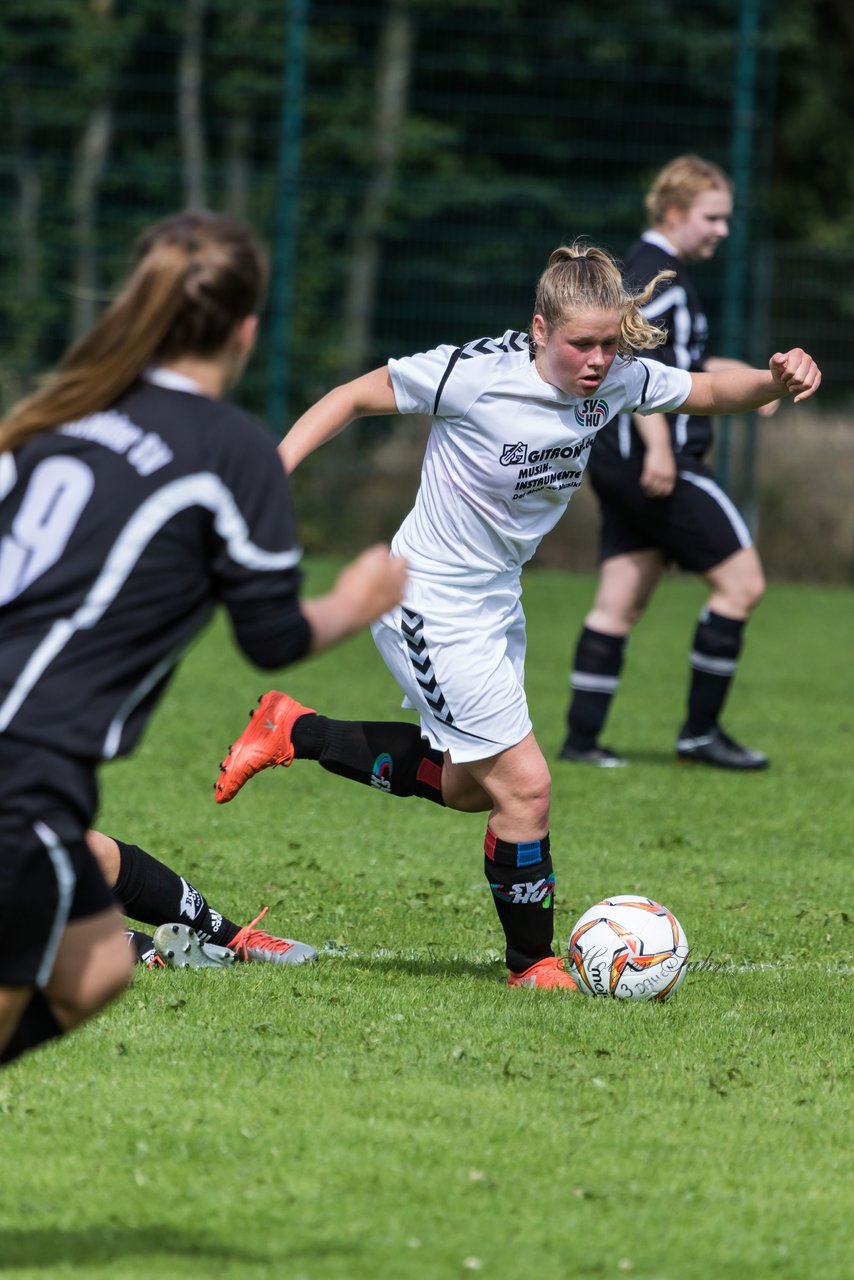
(447, 147)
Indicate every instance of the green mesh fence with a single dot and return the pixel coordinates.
(410, 166)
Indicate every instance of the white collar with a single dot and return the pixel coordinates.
(656, 238)
(173, 381)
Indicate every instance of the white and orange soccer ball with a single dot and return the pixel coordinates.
(628, 948)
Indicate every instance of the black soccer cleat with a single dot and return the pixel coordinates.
(719, 749)
(601, 757)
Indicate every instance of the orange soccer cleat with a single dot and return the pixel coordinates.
(264, 742)
(545, 974)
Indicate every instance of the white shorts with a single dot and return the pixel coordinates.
(458, 654)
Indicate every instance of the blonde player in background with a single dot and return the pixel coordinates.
(659, 501)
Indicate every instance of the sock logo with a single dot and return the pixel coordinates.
(526, 893)
(192, 901)
(381, 772)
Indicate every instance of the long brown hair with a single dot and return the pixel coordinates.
(197, 275)
(581, 277)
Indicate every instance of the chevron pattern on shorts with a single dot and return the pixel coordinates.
(412, 628)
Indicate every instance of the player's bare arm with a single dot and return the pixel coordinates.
(659, 465)
(368, 396)
(365, 589)
(713, 364)
(793, 373)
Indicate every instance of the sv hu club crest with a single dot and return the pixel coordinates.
(591, 413)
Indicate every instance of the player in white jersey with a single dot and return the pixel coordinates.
(133, 500)
(513, 422)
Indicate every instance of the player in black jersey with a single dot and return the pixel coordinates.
(659, 501)
(133, 499)
(188, 932)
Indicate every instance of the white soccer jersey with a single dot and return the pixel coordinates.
(506, 450)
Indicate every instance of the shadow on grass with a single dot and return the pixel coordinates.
(662, 756)
(92, 1246)
(110, 1246)
(646, 755)
(427, 967)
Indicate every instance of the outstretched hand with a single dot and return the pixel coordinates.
(371, 584)
(796, 372)
(364, 590)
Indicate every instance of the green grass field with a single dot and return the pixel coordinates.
(395, 1111)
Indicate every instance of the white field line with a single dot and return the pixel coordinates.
(843, 968)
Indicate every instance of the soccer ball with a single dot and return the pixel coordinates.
(629, 948)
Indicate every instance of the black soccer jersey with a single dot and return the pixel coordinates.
(119, 533)
(676, 308)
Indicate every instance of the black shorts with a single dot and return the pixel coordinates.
(697, 526)
(47, 874)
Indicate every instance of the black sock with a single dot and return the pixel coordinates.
(522, 881)
(714, 661)
(149, 891)
(143, 946)
(595, 679)
(37, 1025)
(391, 756)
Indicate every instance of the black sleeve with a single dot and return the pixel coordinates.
(256, 554)
(642, 263)
(272, 634)
(664, 354)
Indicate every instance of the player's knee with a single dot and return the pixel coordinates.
(746, 595)
(119, 971)
(613, 621)
(532, 796)
(756, 590)
(78, 1000)
(111, 982)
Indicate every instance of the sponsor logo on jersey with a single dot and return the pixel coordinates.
(592, 413)
(381, 772)
(562, 452)
(539, 473)
(514, 454)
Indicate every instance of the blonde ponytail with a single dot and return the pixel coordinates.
(581, 277)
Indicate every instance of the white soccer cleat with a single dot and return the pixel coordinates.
(180, 947)
(259, 946)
